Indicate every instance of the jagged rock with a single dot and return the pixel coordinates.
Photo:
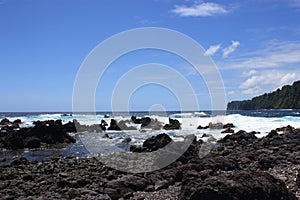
(14, 141)
(145, 121)
(154, 125)
(114, 125)
(5, 121)
(240, 137)
(228, 130)
(218, 125)
(239, 185)
(123, 126)
(126, 140)
(125, 186)
(17, 121)
(48, 132)
(202, 127)
(228, 125)
(135, 120)
(286, 129)
(272, 134)
(32, 142)
(103, 124)
(155, 142)
(70, 127)
(173, 124)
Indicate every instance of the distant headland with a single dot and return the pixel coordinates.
(288, 97)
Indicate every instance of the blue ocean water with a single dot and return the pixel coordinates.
(252, 113)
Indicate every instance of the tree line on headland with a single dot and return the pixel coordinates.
(288, 97)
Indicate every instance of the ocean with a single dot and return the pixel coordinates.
(89, 143)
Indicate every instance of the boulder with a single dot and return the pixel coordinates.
(17, 121)
(32, 142)
(137, 149)
(125, 186)
(5, 121)
(202, 127)
(156, 142)
(228, 130)
(113, 125)
(135, 120)
(241, 137)
(218, 125)
(50, 132)
(272, 134)
(145, 121)
(154, 124)
(228, 125)
(70, 127)
(103, 124)
(14, 141)
(238, 185)
(173, 124)
(123, 126)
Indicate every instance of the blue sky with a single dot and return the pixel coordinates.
(255, 45)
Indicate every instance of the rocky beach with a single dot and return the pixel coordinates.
(150, 100)
(239, 166)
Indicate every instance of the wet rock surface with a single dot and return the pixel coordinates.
(240, 166)
(49, 132)
(147, 123)
(172, 125)
(239, 185)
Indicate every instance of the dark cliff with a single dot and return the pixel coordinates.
(288, 97)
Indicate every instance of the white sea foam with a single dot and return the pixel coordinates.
(189, 123)
(200, 114)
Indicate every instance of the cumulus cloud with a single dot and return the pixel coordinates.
(200, 10)
(267, 80)
(212, 50)
(230, 49)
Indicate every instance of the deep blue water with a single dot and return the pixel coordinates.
(253, 113)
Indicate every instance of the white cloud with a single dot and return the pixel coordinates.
(249, 73)
(268, 80)
(230, 49)
(273, 54)
(212, 50)
(254, 90)
(200, 10)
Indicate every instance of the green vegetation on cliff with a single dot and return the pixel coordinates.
(288, 97)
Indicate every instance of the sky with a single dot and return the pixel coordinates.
(254, 44)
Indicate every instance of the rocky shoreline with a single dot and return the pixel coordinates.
(240, 166)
